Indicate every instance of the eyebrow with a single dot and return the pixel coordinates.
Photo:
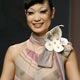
(41, 8)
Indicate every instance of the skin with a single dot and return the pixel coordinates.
(38, 18)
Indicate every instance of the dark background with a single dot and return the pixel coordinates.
(13, 28)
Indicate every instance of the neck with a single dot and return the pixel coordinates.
(41, 35)
(38, 35)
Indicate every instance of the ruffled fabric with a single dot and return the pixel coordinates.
(53, 42)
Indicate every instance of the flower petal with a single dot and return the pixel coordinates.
(49, 46)
(64, 41)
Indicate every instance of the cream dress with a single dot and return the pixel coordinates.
(27, 64)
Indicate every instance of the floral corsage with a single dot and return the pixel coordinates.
(55, 41)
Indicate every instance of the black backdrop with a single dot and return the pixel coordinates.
(13, 28)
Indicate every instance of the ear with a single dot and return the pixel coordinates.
(25, 12)
(53, 12)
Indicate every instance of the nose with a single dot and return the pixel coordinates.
(37, 17)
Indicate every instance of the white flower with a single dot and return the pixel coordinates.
(54, 45)
(64, 41)
(57, 46)
(54, 40)
(49, 45)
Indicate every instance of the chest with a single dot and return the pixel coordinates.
(27, 65)
(27, 69)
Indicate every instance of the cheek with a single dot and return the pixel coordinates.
(28, 18)
(48, 20)
(47, 17)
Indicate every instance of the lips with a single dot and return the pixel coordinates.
(38, 25)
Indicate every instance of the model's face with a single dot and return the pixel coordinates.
(39, 18)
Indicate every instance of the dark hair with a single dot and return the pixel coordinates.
(28, 3)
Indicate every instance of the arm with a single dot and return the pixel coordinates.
(8, 66)
(72, 67)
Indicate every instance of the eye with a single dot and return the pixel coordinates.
(30, 13)
(43, 11)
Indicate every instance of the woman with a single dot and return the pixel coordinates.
(45, 55)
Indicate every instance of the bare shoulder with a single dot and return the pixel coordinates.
(9, 61)
(14, 50)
